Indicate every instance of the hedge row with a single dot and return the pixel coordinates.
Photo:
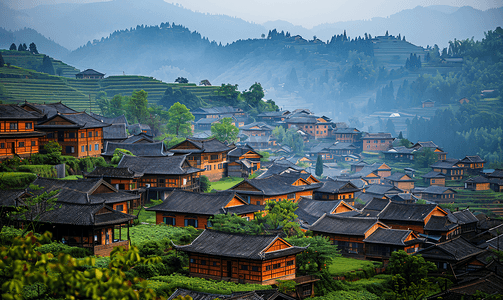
(47, 171)
(16, 180)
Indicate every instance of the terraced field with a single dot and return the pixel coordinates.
(483, 201)
(34, 61)
(18, 84)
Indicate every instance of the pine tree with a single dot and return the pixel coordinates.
(47, 66)
(2, 62)
(33, 48)
(13, 47)
(20, 47)
(319, 166)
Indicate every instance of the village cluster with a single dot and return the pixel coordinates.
(367, 211)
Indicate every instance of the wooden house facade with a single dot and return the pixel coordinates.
(260, 259)
(309, 210)
(478, 183)
(89, 74)
(450, 168)
(472, 164)
(434, 178)
(384, 241)
(336, 190)
(409, 216)
(377, 142)
(437, 194)
(400, 180)
(184, 208)
(207, 154)
(17, 132)
(243, 161)
(347, 135)
(256, 129)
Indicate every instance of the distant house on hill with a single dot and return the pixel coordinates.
(428, 103)
(89, 74)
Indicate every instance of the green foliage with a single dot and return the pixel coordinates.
(351, 268)
(166, 285)
(319, 166)
(265, 155)
(137, 107)
(286, 286)
(88, 164)
(118, 154)
(280, 214)
(279, 133)
(170, 140)
(204, 184)
(16, 180)
(224, 131)
(235, 224)
(2, 62)
(8, 233)
(11, 164)
(294, 140)
(318, 257)
(47, 171)
(47, 66)
(184, 96)
(179, 120)
(53, 156)
(348, 295)
(56, 248)
(22, 266)
(225, 183)
(181, 80)
(424, 158)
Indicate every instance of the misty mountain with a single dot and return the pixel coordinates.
(73, 25)
(423, 25)
(27, 36)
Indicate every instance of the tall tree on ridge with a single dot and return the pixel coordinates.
(179, 120)
(319, 166)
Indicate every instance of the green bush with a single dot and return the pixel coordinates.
(166, 285)
(47, 171)
(349, 295)
(11, 164)
(71, 162)
(57, 248)
(8, 233)
(16, 180)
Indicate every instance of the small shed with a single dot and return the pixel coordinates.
(89, 74)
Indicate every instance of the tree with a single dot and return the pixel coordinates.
(280, 214)
(137, 106)
(205, 82)
(235, 224)
(53, 156)
(204, 183)
(116, 106)
(390, 127)
(118, 154)
(294, 140)
(13, 47)
(317, 257)
(20, 47)
(424, 158)
(254, 95)
(170, 139)
(279, 133)
(400, 136)
(182, 80)
(224, 131)
(2, 62)
(33, 48)
(47, 66)
(63, 276)
(179, 120)
(319, 166)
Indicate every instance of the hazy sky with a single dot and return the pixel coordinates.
(299, 12)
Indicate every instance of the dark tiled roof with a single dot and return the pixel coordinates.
(302, 120)
(382, 189)
(496, 242)
(402, 197)
(274, 185)
(139, 149)
(477, 179)
(433, 189)
(438, 223)
(377, 204)
(428, 144)
(406, 212)
(346, 130)
(202, 146)
(111, 172)
(273, 113)
(277, 169)
(244, 209)
(206, 121)
(342, 146)
(455, 249)
(136, 138)
(84, 215)
(318, 208)
(115, 131)
(446, 164)
(334, 224)
(498, 173)
(335, 187)
(472, 159)
(388, 236)
(90, 72)
(14, 112)
(261, 125)
(433, 174)
(397, 177)
(50, 109)
(401, 150)
(362, 197)
(238, 151)
(11, 198)
(235, 245)
(323, 146)
(380, 135)
(80, 119)
(258, 139)
(166, 165)
(117, 120)
(465, 216)
(216, 110)
(180, 201)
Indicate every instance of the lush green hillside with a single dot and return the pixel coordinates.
(19, 84)
(25, 59)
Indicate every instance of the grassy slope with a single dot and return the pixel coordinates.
(225, 183)
(341, 265)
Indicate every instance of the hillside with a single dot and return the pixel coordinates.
(18, 84)
(27, 36)
(25, 59)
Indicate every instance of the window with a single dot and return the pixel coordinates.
(83, 149)
(96, 147)
(433, 181)
(289, 263)
(33, 143)
(267, 268)
(257, 202)
(169, 221)
(2, 145)
(82, 134)
(13, 126)
(28, 125)
(254, 268)
(203, 262)
(90, 134)
(87, 147)
(160, 180)
(215, 264)
(208, 167)
(244, 267)
(21, 144)
(119, 207)
(214, 157)
(191, 222)
(50, 135)
(276, 266)
(192, 260)
(290, 196)
(97, 134)
(219, 166)
(71, 135)
(69, 149)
